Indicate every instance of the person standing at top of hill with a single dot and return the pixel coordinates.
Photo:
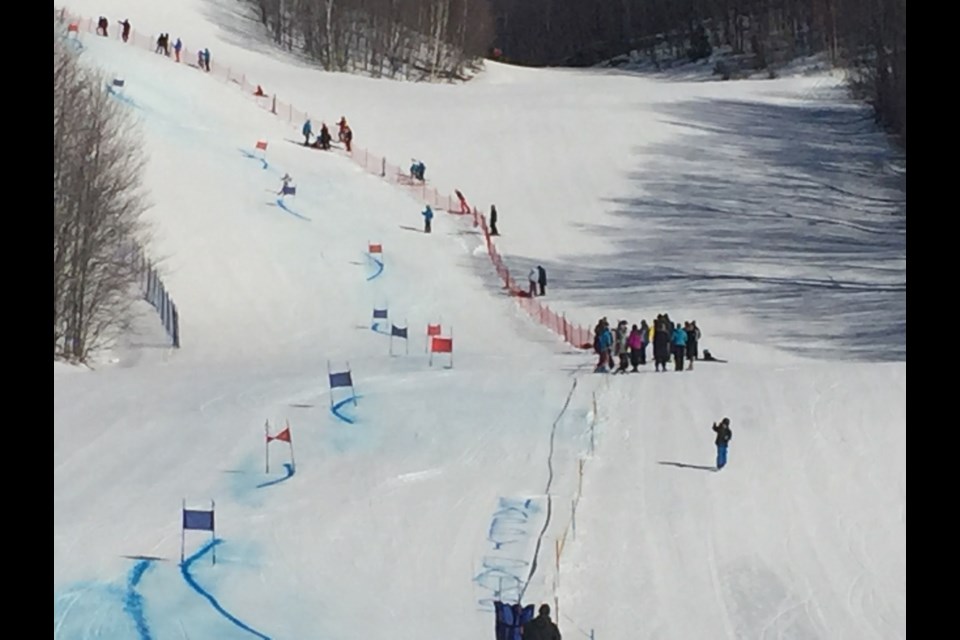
(493, 220)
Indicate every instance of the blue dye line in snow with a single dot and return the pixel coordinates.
(283, 205)
(290, 472)
(255, 157)
(335, 409)
(185, 570)
(122, 98)
(379, 266)
(133, 601)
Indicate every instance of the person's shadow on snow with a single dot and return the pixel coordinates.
(687, 466)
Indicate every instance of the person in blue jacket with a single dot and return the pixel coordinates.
(604, 345)
(427, 217)
(307, 132)
(417, 170)
(679, 347)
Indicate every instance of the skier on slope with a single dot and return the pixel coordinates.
(724, 434)
(286, 187)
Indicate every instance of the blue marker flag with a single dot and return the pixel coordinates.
(397, 331)
(201, 520)
(380, 313)
(342, 379)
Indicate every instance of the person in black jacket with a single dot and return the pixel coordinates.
(541, 627)
(693, 337)
(723, 439)
(661, 343)
(493, 220)
(542, 279)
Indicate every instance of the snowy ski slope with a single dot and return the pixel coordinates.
(768, 211)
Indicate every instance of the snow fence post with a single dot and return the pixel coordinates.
(573, 518)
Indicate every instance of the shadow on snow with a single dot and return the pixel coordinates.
(794, 214)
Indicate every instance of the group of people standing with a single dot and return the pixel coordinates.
(323, 139)
(163, 42)
(630, 345)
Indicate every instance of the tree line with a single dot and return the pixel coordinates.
(97, 204)
(868, 37)
(404, 39)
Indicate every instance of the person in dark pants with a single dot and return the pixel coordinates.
(693, 336)
(307, 131)
(541, 627)
(679, 347)
(645, 337)
(661, 344)
(427, 219)
(724, 434)
(325, 136)
(542, 279)
(493, 220)
(635, 343)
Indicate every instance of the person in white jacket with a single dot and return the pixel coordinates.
(534, 278)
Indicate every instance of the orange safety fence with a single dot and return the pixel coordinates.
(577, 336)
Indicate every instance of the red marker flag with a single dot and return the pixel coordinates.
(442, 345)
(283, 435)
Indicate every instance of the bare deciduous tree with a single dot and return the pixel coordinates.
(97, 203)
(411, 39)
(868, 37)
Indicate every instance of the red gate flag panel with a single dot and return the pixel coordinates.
(441, 345)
